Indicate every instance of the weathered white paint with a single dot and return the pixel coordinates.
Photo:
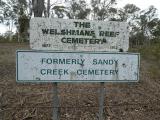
(40, 41)
(31, 66)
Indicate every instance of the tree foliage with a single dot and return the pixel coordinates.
(74, 9)
(144, 24)
(103, 9)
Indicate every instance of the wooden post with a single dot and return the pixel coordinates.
(48, 8)
(56, 104)
(101, 101)
(1, 107)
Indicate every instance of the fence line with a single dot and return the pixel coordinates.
(111, 105)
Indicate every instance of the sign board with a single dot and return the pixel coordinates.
(78, 35)
(43, 66)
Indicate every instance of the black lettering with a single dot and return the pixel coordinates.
(88, 25)
(76, 24)
(45, 31)
(92, 41)
(87, 33)
(68, 32)
(63, 40)
(82, 32)
(69, 40)
(74, 40)
(93, 33)
(112, 34)
(107, 33)
(104, 41)
(63, 32)
(101, 33)
(82, 24)
(52, 31)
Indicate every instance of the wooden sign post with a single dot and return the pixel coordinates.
(56, 104)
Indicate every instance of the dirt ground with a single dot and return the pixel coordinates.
(78, 101)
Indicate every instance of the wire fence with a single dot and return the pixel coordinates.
(76, 100)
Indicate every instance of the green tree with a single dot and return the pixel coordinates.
(74, 9)
(12, 11)
(145, 22)
(155, 25)
(78, 10)
(103, 9)
(128, 13)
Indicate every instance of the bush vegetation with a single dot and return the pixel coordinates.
(151, 55)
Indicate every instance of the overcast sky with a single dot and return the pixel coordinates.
(142, 4)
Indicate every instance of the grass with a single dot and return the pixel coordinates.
(77, 101)
(151, 54)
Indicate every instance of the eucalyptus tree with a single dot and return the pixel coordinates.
(78, 9)
(146, 22)
(146, 17)
(142, 23)
(11, 10)
(103, 9)
(73, 9)
(15, 13)
(156, 29)
(130, 14)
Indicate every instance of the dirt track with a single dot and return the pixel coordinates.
(125, 101)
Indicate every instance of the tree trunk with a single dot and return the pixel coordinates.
(48, 8)
(38, 7)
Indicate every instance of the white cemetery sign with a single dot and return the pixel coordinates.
(78, 35)
(43, 66)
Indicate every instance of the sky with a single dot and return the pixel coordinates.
(3, 28)
(142, 4)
